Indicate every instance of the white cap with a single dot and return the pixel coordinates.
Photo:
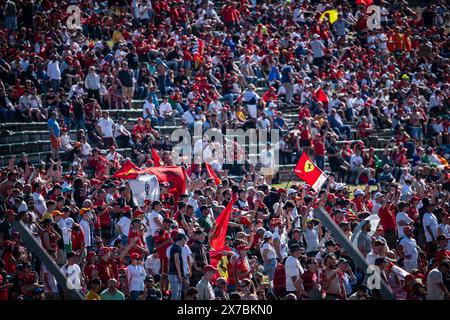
(340, 186)
(377, 195)
(358, 192)
(268, 235)
(74, 163)
(291, 191)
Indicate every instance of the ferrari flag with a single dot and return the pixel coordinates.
(309, 172)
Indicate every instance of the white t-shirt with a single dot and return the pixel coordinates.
(433, 290)
(124, 224)
(107, 127)
(312, 239)
(371, 257)
(65, 232)
(84, 225)
(164, 108)
(429, 219)
(402, 216)
(148, 109)
(152, 227)
(376, 207)
(153, 264)
(410, 247)
(272, 254)
(283, 242)
(40, 205)
(136, 276)
(293, 268)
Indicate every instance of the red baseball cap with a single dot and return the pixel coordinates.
(242, 247)
(281, 190)
(244, 220)
(104, 250)
(135, 256)
(126, 209)
(416, 198)
(209, 267)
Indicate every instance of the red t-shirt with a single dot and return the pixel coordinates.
(319, 148)
(77, 239)
(309, 279)
(160, 239)
(387, 217)
(362, 133)
(134, 234)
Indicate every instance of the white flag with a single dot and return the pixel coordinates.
(145, 187)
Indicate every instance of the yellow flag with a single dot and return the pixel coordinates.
(222, 267)
(332, 15)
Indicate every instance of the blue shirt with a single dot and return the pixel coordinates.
(285, 74)
(55, 125)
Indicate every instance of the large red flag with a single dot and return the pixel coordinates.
(212, 174)
(309, 172)
(217, 241)
(176, 176)
(218, 238)
(156, 158)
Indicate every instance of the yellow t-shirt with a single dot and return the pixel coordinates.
(91, 295)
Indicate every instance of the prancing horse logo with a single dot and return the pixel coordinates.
(308, 166)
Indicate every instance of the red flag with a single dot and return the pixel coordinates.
(156, 158)
(212, 174)
(217, 241)
(176, 176)
(218, 238)
(128, 171)
(364, 2)
(309, 172)
(321, 96)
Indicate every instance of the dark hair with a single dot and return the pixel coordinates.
(191, 291)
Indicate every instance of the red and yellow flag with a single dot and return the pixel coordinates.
(309, 172)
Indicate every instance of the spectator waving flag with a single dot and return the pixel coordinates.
(309, 172)
(212, 174)
(197, 50)
(156, 158)
(218, 237)
(321, 96)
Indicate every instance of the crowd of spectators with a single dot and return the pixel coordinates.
(237, 64)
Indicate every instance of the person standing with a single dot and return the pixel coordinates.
(294, 271)
(176, 274)
(436, 289)
(204, 287)
(92, 84)
(126, 80)
(410, 248)
(136, 275)
(54, 73)
(106, 126)
(55, 131)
